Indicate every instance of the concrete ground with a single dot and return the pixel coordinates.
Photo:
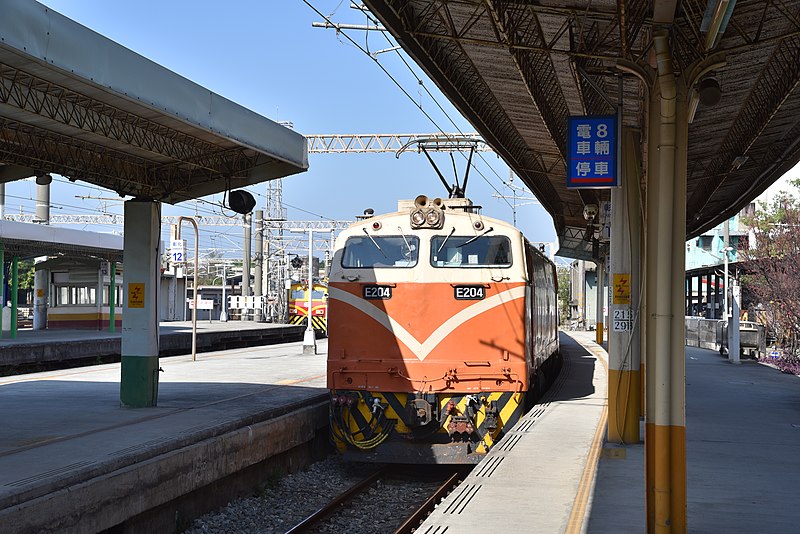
(742, 444)
(743, 434)
(73, 460)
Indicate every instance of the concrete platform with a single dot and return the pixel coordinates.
(555, 473)
(73, 460)
(43, 347)
(529, 482)
(742, 442)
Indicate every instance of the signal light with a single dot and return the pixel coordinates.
(241, 201)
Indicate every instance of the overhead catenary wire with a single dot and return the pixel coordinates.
(410, 97)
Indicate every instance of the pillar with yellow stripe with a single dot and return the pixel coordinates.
(665, 429)
(623, 339)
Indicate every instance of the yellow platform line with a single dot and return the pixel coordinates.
(581, 502)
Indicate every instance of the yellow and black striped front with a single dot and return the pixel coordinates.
(319, 324)
(380, 427)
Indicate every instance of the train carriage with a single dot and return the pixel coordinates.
(442, 329)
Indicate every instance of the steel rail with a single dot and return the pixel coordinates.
(414, 521)
(342, 498)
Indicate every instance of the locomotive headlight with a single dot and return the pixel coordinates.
(417, 218)
(433, 217)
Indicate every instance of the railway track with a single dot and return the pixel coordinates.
(324, 519)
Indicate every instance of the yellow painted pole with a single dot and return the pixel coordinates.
(649, 337)
(632, 162)
(677, 415)
(623, 371)
(666, 463)
(601, 267)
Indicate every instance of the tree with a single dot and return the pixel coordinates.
(773, 271)
(26, 273)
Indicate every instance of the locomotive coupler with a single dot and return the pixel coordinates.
(460, 428)
(491, 416)
(421, 410)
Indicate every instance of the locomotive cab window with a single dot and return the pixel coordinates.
(298, 294)
(469, 251)
(371, 251)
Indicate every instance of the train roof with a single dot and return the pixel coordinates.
(457, 206)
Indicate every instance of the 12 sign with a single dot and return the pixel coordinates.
(177, 251)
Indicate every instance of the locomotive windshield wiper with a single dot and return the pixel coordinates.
(408, 246)
(374, 243)
(470, 240)
(438, 250)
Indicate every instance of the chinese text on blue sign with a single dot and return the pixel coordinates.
(592, 151)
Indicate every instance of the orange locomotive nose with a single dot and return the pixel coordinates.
(435, 342)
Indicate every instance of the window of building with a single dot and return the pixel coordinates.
(117, 296)
(76, 296)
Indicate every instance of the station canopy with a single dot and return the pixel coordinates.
(28, 241)
(518, 69)
(75, 103)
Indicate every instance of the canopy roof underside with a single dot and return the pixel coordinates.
(75, 103)
(518, 69)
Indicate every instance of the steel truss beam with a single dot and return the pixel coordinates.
(168, 160)
(376, 143)
(203, 220)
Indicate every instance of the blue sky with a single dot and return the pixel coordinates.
(267, 57)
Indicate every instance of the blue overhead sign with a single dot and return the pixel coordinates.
(592, 151)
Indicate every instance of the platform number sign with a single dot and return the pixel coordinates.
(592, 151)
(177, 251)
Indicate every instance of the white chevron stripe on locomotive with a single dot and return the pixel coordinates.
(422, 350)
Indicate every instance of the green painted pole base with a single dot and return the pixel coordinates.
(139, 386)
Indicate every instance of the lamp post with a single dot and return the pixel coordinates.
(309, 339)
(196, 268)
(223, 314)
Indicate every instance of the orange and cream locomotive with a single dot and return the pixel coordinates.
(442, 330)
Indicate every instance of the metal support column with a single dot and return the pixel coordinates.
(309, 337)
(248, 226)
(14, 295)
(601, 271)
(665, 429)
(2, 276)
(259, 260)
(142, 237)
(40, 290)
(112, 297)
